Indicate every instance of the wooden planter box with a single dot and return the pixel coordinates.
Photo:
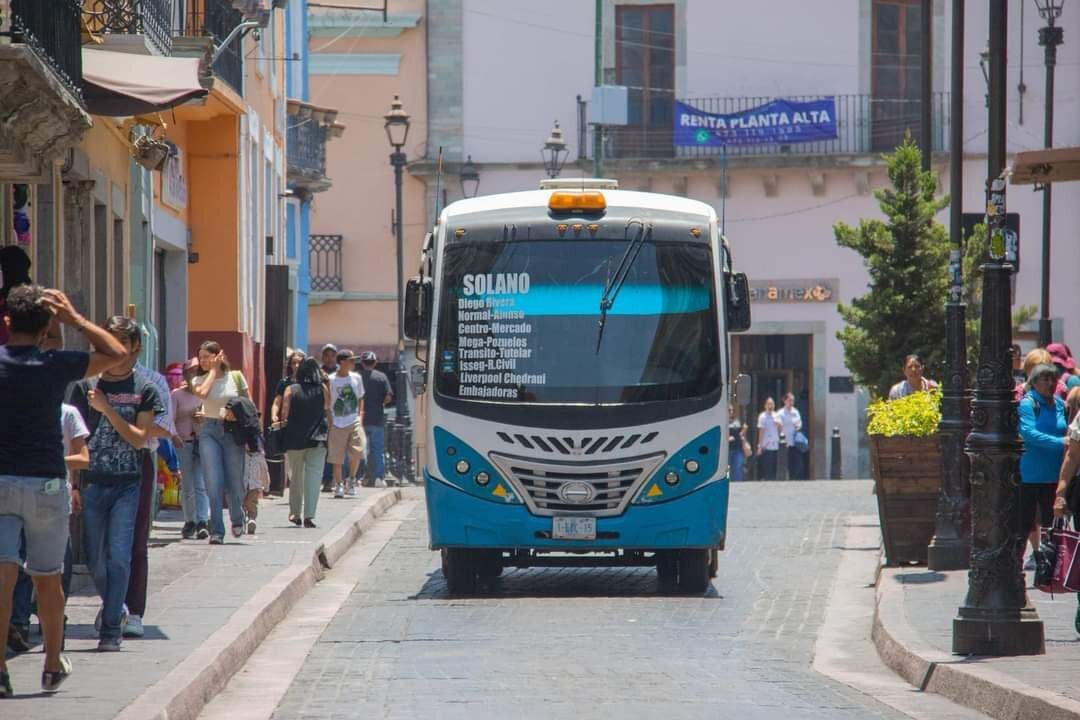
(907, 480)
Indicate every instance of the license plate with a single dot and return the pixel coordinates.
(573, 528)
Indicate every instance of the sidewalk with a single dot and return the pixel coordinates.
(913, 634)
(208, 608)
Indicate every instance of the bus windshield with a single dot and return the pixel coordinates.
(518, 323)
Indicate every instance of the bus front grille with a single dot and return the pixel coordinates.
(597, 489)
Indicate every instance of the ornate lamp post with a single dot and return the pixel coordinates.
(470, 179)
(554, 152)
(397, 132)
(1049, 38)
(950, 548)
(996, 618)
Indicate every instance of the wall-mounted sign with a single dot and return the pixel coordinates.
(794, 291)
(841, 384)
(777, 122)
(174, 190)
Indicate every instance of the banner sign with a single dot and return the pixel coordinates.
(777, 122)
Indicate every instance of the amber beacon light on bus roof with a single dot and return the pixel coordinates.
(589, 201)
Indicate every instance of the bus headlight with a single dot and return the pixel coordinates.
(686, 470)
(462, 466)
(692, 466)
(672, 478)
(482, 478)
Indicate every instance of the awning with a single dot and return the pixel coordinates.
(1043, 166)
(120, 84)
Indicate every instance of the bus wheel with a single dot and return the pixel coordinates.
(489, 564)
(667, 567)
(460, 570)
(694, 570)
(714, 562)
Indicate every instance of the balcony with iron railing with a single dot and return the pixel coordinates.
(216, 19)
(865, 125)
(51, 29)
(142, 25)
(310, 127)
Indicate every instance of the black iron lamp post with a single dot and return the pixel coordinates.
(397, 132)
(996, 618)
(470, 179)
(1049, 38)
(950, 548)
(554, 152)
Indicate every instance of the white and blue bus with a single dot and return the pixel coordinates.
(577, 381)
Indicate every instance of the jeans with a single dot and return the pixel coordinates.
(193, 497)
(223, 468)
(109, 514)
(376, 450)
(305, 466)
(736, 460)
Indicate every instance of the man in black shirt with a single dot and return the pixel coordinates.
(377, 395)
(33, 482)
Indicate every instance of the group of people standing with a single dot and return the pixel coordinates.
(772, 426)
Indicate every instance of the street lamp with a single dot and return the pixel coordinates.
(470, 179)
(1049, 38)
(397, 132)
(554, 152)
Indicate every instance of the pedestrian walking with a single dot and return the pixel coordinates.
(738, 447)
(347, 440)
(194, 501)
(1038, 356)
(222, 459)
(306, 414)
(768, 439)
(913, 379)
(1067, 491)
(377, 396)
(328, 355)
(243, 425)
(119, 407)
(288, 377)
(791, 421)
(32, 470)
(1043, 427)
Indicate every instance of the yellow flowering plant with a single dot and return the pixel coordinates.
(918, 414)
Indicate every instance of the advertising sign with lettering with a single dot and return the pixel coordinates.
(779, 122)
(794, 291)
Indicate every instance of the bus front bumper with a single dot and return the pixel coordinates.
(695, 520)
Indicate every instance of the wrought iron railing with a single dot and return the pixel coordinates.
(51, 28)
(306, 142)
(864, 125)
(216, 19)
(324, 263)
(152, 18)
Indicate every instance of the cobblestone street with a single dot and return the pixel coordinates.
(598, 642)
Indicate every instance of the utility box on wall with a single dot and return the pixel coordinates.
(609, 105)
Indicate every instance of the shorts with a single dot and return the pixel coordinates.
(27, 507)
(1037, 505)
(345, 440)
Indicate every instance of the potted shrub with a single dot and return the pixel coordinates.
(906, 458)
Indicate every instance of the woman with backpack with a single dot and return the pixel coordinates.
(222, 459)
(305, 410)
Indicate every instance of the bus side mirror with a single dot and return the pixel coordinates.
(744, 386)
(738, 303)
(416, 323)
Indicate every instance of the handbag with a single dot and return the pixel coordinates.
(1066, 576)
(321, 432)
(275, 440)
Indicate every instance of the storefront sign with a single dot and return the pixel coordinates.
(775, 123)
(794, 291)
(174, 190)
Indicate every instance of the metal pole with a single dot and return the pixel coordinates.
(398, 159)
(836, 471)
(926, 141)
(598, 80)
(950, 548)
(1049, 37)
(996, 618)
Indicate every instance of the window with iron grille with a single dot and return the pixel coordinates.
(324, 262)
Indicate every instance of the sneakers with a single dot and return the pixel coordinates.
(5, 686)
(110, 644)
(188, 531)
(339, 491)
(217, 540)
(237, 531)
(51, 680)
(309, 523)
(201, 531)
(123, 619)
(134, 627)
(18, 639)
(380, 483)
(250, 527)
(350, 488)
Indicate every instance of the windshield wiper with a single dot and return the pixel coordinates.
(615, 282)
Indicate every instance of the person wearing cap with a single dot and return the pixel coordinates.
(1063, 359)
(194, 501)
(346, 438)
(329, 358)
(1043, 428)
(377, 395)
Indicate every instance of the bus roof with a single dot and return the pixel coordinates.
(615, 198)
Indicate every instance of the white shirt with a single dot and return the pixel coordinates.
(345, 394)
(72, 426)
(792, 421)
(768, 431)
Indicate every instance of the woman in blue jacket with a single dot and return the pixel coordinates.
(1043, 427)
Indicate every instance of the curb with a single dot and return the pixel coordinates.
(957, 678)
(186, 689)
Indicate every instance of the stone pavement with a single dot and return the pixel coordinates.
(195, 589)
(913, 632)
(571, 643)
